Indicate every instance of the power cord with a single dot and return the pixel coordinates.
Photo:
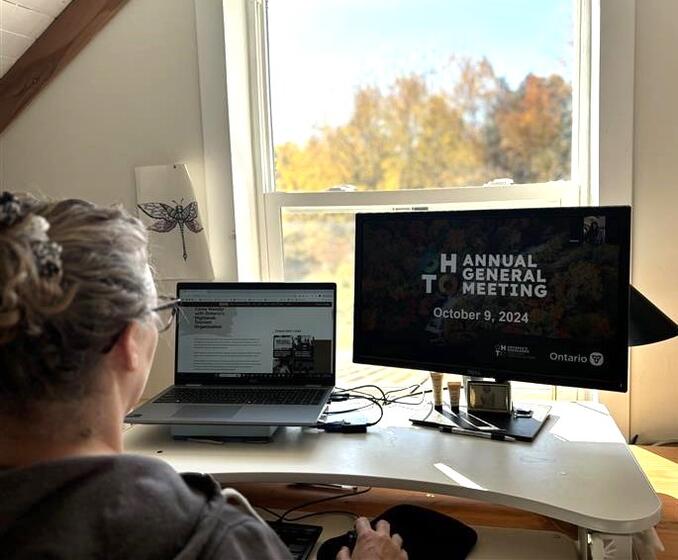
(384, 398)
(317, 513)
(283, 516)
(348, 427)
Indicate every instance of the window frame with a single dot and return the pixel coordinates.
(602, 154)
(573, 192)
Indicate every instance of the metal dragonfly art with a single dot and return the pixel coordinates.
(167, 218)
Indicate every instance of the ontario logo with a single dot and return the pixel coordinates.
(595, 358)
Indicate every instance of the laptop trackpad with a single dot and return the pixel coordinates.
(207, 412)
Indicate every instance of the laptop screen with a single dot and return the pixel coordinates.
(241, 333)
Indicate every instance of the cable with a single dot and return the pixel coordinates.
(381, 414)
(348, 410)
(375, 401)
(413, 387)
(269, 511)
(385, 398)
(321, 500)
(349, 427)
(355, 389)
(331, 512)
(412, 393)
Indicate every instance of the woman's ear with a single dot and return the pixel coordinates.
(126, 350)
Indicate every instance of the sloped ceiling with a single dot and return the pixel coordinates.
(39, 39)
(21, 23)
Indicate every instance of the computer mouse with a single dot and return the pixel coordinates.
(424, 532)
(331, 547)
(351, 537)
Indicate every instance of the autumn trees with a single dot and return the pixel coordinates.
(415, 135)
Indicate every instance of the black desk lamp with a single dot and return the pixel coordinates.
(648, 323)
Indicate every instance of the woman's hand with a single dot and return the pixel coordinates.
(374, 545)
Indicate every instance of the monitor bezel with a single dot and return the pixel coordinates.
(618, 384)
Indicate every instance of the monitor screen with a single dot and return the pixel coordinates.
(537, 295)
(256, 332)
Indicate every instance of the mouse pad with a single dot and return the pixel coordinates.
(426, 534)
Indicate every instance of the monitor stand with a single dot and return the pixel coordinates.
(222, 432)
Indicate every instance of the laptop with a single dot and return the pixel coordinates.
(249, 354)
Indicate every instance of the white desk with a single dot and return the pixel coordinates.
(579, 469)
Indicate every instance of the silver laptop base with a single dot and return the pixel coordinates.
(221, 432)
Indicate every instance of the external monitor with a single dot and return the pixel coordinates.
(536, 295)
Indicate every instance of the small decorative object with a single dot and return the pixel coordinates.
(489, 396)
(454, 391)
(437, 382)
(168, 205)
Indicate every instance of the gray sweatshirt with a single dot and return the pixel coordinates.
(124, 507)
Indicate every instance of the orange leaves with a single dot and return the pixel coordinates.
(534, 125)
(413, 135)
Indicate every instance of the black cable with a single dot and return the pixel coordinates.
(348, 410)
(412, 387)
(380, 401)
(269, 511)
(354, 389)
(321, 500)
(381, 415)
(400, 400)
(373, 400)
(331, 512)
(384, 399)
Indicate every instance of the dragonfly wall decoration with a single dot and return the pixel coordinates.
(167, 218)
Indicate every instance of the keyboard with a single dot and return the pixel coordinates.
(227, 395)
(299, 539)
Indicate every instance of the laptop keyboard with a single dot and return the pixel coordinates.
(273, 395)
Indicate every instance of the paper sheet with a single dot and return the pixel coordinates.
(167, 205)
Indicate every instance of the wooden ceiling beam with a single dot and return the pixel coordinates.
(51, 52)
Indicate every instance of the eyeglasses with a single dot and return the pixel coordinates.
(164, 314)
(166, 311)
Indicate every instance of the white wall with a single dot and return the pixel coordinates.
(654, 382)
(130, 98)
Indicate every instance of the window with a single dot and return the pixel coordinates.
(450, 118)
(419, 94)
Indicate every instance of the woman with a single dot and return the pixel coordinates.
(79, 323)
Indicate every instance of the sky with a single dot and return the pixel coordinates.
(322, 51)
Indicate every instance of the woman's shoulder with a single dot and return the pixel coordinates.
(140, 504)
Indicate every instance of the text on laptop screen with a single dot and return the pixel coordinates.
(245, 333)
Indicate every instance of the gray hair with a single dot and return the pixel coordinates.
(55, 329)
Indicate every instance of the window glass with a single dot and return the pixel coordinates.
(384, 95)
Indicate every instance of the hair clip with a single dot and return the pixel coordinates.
(47, 253)
(10, 209)
(47, 257)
